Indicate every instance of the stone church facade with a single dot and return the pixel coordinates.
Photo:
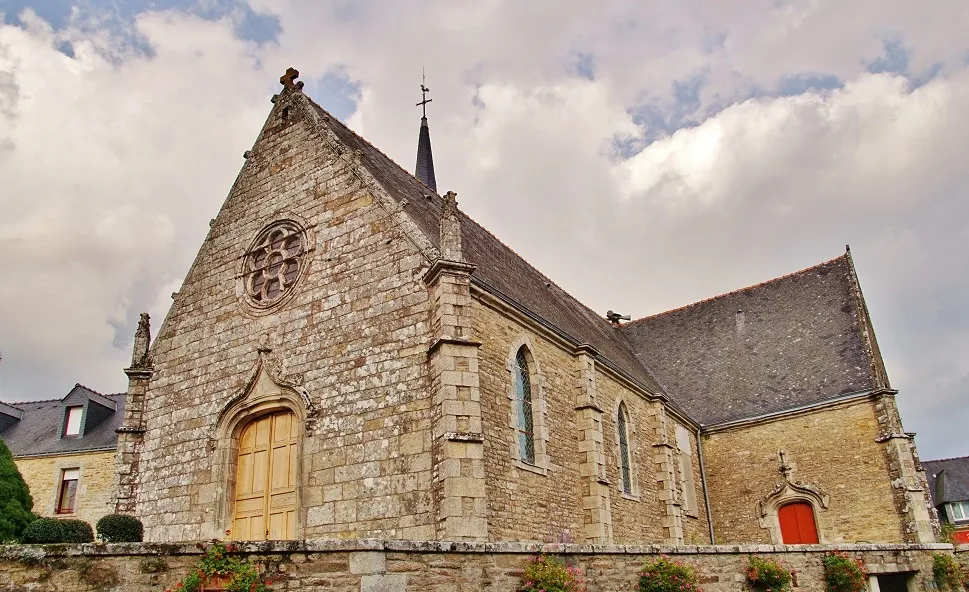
(351, 356)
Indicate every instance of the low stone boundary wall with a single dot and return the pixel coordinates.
(399, 566)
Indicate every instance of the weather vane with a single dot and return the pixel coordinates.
(424, 91)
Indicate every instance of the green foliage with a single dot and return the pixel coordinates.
(768, 575)
(15, 501)
(666, 575)
(45, 531)
(221, 560)
(843, 574)
(120, 528)
(77, 531)
(549, 574)
(946, 531)
(947, 573)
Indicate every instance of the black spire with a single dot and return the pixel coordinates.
(425, 162)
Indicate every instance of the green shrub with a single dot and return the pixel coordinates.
(77, 531)
(45, 531)
(120, 528)
(15, 501)
(767, 574)
(548, 574)
(222, 560)
(666, 575)
(843, 574)
(946, 572)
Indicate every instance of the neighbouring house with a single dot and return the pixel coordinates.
(949, 485)
(65, 449)
(352, 356)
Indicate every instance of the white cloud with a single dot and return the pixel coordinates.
(114, 160)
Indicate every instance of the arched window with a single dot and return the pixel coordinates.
(622, 422)
(523, 407)
(797, 524)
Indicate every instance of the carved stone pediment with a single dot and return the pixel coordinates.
(791, 491)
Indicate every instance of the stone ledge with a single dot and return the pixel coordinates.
(16, 552)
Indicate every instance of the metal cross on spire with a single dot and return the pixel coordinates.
(424, 99)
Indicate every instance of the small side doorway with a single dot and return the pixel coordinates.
(265, 498)
(897, 582)
(797, 524)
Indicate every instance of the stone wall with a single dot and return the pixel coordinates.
(352, 338)
(833, 448)
(95, 489)
(401, 566)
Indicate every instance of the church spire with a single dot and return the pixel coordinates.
(425, 162)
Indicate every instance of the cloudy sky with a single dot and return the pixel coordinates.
(643, 155)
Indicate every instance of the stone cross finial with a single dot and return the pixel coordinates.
(139, 353)
(450, 228)
(786, 469)
(288, 79)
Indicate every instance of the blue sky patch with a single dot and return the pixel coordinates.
(120, 14)
(335, 92)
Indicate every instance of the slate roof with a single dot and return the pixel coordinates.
(806, 338)
(799, 340)
(498, 266)
(39, 429)
(948, 479)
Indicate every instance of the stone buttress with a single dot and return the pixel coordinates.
(131, 432)
(458, 441)
(596, 513)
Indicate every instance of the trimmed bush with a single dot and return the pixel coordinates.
(46, 531)
(120, 528)
(77, 531)
(15, 501)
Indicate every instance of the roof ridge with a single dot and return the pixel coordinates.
(78, 384)
(738, 290)
(37, 401)
(332, 117)
(547, 279)
(946, 459)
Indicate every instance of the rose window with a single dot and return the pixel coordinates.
(274, 262)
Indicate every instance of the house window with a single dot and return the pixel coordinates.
(686, 469)
(523, 408)
(67, 498)
(72, 427)
(626, 473)
(960, 510)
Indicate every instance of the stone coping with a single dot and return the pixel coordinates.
(399, 546)
(962, 548)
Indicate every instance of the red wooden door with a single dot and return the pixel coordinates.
(797, 524)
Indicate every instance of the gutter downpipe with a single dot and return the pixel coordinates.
(703, 480)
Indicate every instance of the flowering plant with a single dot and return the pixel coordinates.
(666, 575)
(241, 575)
(948, 575)
(843, 574)
(549, 574)
(767, 575)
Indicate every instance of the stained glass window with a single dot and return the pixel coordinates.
(523, 406)
(627, 484)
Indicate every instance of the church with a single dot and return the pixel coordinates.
(351, 356)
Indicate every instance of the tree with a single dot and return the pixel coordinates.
(15, 501)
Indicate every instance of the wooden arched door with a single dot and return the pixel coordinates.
(797, 524)
(265, 497)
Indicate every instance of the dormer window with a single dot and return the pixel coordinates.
(959, 511)
(72, 426)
